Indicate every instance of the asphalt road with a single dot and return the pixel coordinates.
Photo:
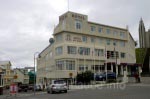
(133, 91)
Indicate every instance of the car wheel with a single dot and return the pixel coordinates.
(65, 91)
(48, 92)
(52, 92)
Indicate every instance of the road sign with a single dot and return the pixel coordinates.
(13, 89)
(15, 77)
(70, 75)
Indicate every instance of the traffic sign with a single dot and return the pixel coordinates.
(13, 89)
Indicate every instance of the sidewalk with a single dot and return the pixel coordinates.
(144, 80)
(6, 94)
(75, 87)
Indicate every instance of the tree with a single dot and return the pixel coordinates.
(140, 55)
(85, 77)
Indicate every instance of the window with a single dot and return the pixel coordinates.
(59, 50)
(68, 37)
(115, 43)
(84, 51)
(108, 31)
(122, 55)
(83, 67)
(60, 65)
(115, 33)
(93, 28)
(122, 43)
(92, 40)
(50, 54)
(99, 52)
(7, 72)
(112, 54)
(72, 49)
(78, 24)
(84, 38)
(108, 41)
(100, 29)
(59, 37)
(70, 65)
(100, 40)
(122, 35)
(47, 56)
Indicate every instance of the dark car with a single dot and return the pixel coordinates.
(31, 87)
(102, 77)
(23, 87)
(38, 88)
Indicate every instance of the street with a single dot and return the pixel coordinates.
(131, 91)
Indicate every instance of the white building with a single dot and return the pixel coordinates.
(7, 72)
(21, 75)
(79, 45)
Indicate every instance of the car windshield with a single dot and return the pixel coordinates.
(59, 82)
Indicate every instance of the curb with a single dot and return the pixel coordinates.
(77, 87)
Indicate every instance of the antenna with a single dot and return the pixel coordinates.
(127, 27)
(68, 5)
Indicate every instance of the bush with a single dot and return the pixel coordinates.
(85, 77)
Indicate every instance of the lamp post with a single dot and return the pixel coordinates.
(149, 63)
(115, 54)
(34, 70)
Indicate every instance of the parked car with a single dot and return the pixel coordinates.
(57, 86)
(30, 87)
(23, 87)
(38, 88)
(104, 76)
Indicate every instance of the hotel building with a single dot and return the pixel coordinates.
(79, 45)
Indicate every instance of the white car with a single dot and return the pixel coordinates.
(57, 86)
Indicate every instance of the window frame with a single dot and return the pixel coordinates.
(78, 24)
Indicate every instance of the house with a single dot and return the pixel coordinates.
(7, 71)
(79, 45)
(21, 75)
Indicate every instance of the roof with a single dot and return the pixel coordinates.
(2, 67)
(124, 29)
(5, 63)
(21, 70)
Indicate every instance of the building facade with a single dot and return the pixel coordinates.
(21, 75)
(79, 45)
(144, 41)
(144, 36)
(7, 72)
(1, 76)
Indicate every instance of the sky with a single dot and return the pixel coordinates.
(27, 25)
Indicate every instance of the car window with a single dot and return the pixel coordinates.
(59, 82)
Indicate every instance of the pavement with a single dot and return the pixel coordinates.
(131, 91)
(145, 83)
(21, 94)
(144, 80)
(71, 88)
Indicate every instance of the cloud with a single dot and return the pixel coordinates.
(27, 25)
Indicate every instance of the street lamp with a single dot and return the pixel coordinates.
(115, 54)
(34, 68)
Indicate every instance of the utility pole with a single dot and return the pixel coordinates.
(149, 63)
(34, 70)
